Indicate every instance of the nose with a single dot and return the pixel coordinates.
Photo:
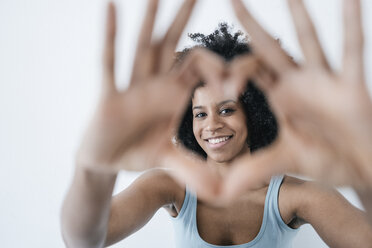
(214, 123)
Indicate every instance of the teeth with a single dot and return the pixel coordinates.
(218, 140)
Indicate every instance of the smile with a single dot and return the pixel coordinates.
(218, 142)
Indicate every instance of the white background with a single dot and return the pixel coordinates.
(49, 82)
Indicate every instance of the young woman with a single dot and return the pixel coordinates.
(224, 128)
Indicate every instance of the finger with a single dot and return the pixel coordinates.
(147, 28)
(202, 65)
(143, 61)
(173, 34)
(194, 173)
(109, 51)
(307, 35)
(253, 171)
(353, 66)
(241, 69)
(199, 65)
(265, 80)
(264, 45)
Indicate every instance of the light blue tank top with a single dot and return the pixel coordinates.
(273, 232)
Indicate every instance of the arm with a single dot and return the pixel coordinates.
(105, 219)
(86, 208)
(325, 115)
(365, 196)
(337, 222)
(130, 130)
(134, 207)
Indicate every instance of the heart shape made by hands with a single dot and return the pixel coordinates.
(133, 129)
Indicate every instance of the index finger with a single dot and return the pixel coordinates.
(307, 35)
(109, 51)
(242, 69)
(145, 36)
(174, 32)
(147, 28)
(353, 65)
(264, 45)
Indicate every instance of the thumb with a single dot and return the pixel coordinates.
(253, 171)
(193, 171)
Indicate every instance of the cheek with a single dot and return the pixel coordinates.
(245, 134)
(196, 131)
(242, 132)
(242, 129)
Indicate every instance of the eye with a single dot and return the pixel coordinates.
(200, 115)
(227, 111)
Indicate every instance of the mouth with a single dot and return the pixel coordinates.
(217, 142)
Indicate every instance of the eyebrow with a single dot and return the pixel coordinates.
(219, 104)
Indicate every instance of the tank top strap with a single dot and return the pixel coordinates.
(188, 211)
(273, 206)
(273, 233)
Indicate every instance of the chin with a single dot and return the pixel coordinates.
(221, 158)
(225, 157)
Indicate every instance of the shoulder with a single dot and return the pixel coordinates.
(160, 185)
(288, 200)
(305, 197)
(155, 187)
(158, 176)
(297, 196)
(161, 182)
(301, 193)
(302, 190)
(307, 193)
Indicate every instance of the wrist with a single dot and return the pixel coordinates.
(102, 182)
(365, 167)
(93, 169)
(365, 197)
(359, 146)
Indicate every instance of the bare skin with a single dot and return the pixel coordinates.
(112, 144)
(300, 202)
(325, 116)
(133, 129)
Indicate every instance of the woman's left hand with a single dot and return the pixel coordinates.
(325, 116)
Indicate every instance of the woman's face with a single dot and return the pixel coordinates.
(219, 124)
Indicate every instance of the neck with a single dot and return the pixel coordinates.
(222, 167)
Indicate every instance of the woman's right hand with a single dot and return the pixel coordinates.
(133, 129)
(137, 123)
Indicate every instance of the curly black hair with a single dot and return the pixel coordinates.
(261, 123)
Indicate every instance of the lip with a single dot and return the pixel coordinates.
(220, 144)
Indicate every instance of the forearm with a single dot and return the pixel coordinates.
(86, 208)
(365, 197)
(358, 138)
(364, 189)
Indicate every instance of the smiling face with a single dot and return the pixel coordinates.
(219, 125)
